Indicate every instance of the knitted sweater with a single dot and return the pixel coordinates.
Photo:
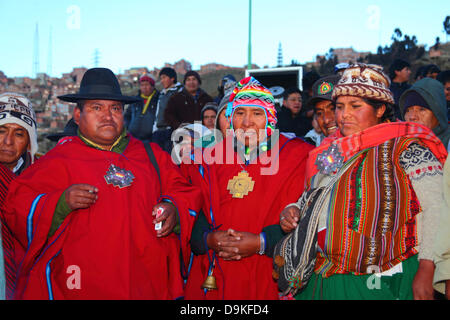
(442, 239)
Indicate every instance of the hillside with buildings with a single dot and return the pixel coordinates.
(52, 113)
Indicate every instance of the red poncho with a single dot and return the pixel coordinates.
(251, 277)
(6, 176)
(110, 250)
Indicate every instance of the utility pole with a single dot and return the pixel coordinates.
(280, 56)
(96, 58)
(249, 65)
(49, 61)
(36, 52)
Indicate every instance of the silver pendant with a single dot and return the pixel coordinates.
(118, 177)
(330, 160)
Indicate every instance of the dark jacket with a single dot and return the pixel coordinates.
(164, 97)
(183, 107)
(397, 90)
(448, 110)
(300, 125)
(138, 124)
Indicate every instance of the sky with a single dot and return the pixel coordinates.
(139, 33)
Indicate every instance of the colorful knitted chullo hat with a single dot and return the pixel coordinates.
(250, 93)
(365, 81)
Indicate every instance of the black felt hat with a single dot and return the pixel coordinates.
(99, 84)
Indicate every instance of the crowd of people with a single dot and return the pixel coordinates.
(342, 191)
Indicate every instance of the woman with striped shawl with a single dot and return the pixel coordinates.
(369, 232)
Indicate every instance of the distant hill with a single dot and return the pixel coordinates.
(439, 57)
(403, 47)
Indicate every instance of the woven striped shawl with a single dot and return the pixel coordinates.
(371, 218)
(372, 214)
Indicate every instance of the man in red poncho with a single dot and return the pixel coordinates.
(247, 180)
(83, 219)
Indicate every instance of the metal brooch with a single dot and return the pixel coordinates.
(330, 160)
(118, 177)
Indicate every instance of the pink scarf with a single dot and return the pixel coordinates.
(374, 136)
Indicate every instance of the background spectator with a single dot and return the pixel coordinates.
(290, 117)
(425, 103)
(399, 72)
(186, 106)
(140, 116)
